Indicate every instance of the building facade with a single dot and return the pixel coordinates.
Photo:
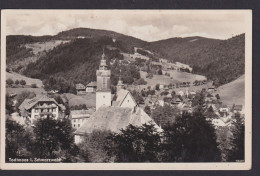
(41, 107)
(91, 87)
(78, 117)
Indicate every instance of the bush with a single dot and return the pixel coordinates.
(160, 72)
(33, 86)
(22, 82)
(149, 75)
(16, 82)
(140, 81)
(9, 82)
(157, 87)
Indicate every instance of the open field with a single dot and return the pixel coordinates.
(177, 77)
(89, 99)
(39, 47)
(16, 76)
(233, 92)
(37, 91)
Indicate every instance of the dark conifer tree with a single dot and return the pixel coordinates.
(237, 152)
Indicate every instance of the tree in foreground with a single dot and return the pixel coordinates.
(54, 138)
(190, 139)
(135, 144)
(237, 151)
(9, 82)
(92, 149)
(17, 141)
(163, 115)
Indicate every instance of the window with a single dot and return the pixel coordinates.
(74, 125)
(104, 96)
(78, 125)
(74, 120)
(104, 82)
(53, 110)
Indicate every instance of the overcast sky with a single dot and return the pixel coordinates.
(146, 25)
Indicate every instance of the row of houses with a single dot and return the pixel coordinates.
(89, 88)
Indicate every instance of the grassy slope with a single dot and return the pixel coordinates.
(16, 76)
(177, 77)
(89, 99)
(233, 92)
(37, 91)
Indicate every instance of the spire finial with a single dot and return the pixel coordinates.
(103, 55)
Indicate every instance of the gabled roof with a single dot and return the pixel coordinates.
(81, 113)
(92, 84)
(115, 118)
(121, 95)
(238, 107)
(80, 86)
(224, 106)
(209, 95)
(29, 103)
(222, 114)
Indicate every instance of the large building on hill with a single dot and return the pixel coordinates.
(41, 107)
(113, 112)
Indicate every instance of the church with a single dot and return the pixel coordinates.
(113, 112)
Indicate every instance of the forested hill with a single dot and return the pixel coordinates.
(220, 60)
(127, 42)
(75, 61)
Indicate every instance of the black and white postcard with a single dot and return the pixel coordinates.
(126, 89)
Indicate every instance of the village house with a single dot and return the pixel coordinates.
(176, 101)
(41, 107)
(78, 117)
(160, 101)
(183, 66)
(237, 108)
(161, 60)
(181, 93)
(81, 89)
(91, 87)
(211, 89)
(223, 108)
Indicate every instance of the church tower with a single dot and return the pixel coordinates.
(120, 84)
(103, 93)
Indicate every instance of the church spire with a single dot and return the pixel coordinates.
(103, 55)
(103, 62)
(120, 83)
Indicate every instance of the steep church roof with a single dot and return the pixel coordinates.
(115, 118)
(120, 97)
